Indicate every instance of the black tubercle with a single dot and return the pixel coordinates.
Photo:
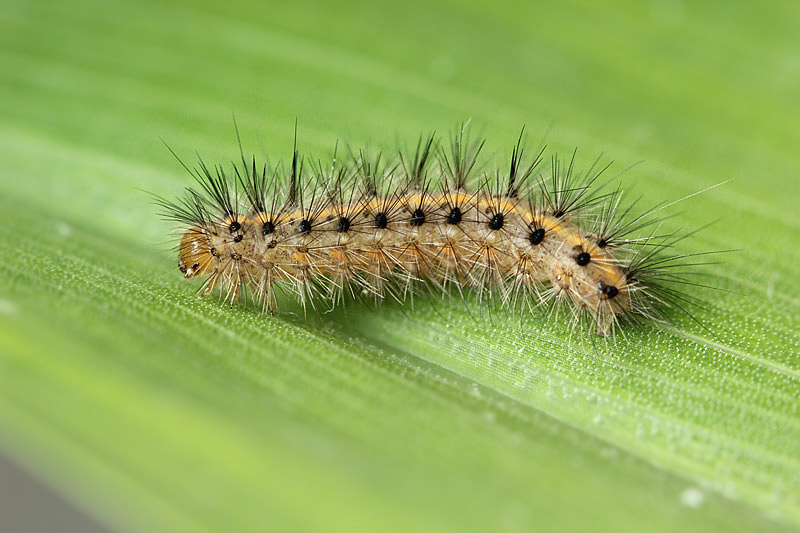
(583, 258)
(496, 222)
(238, 238)
(304, 226)
(380, 220)
(455, 216)
(418, 217)
(234, 227)
(602, 243)
(536, 237)
(267, 228)
(343, 225)
(608, 290)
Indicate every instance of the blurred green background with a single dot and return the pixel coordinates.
(151, 410)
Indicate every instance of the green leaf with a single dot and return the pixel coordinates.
(152, 409)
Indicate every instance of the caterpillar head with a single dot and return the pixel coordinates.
(196, 255)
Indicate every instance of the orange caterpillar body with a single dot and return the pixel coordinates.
(350, 230)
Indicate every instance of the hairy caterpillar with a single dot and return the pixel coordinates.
(521, 235)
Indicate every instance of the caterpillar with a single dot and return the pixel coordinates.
(437, 216)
